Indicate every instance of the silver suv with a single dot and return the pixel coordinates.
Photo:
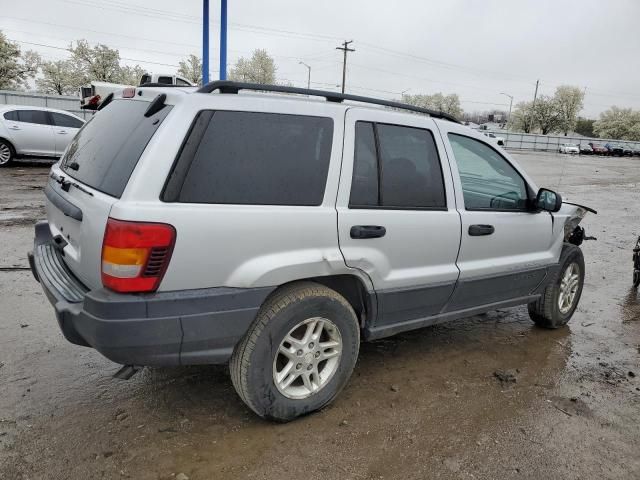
(276, 232)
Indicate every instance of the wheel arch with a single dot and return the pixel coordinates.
(351, 287)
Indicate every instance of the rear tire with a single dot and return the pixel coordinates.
(7, 154)
(298, 354)
(560, 298)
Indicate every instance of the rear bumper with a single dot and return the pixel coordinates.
(164, 328)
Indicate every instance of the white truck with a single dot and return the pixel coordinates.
(92, 95)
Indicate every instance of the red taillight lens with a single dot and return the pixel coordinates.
(135, 255)
(128, 92)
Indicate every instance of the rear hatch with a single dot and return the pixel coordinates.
(92, 176)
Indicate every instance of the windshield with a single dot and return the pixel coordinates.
(106, 150)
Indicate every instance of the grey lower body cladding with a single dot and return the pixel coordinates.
(166, 328)
(403, 310)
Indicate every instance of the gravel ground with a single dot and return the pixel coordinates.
(488, 397)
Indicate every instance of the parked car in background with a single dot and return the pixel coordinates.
(598, 148)
(627, 150)
(498, 140)
(35, 132)
(614, 149)
(636, 148)
(585, 149)
(571, 148)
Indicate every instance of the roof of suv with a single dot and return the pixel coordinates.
(335, 97)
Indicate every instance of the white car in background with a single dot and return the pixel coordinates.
(35, 132)
(498, 140)
(571, 148)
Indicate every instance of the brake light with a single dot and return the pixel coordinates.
(128, 92)
(135, 255)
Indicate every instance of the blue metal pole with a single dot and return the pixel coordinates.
(205, 42)
(223, 39)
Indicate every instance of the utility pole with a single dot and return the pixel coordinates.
(345, 48)
(308, 74)
(533, 105)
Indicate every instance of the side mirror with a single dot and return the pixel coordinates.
(548, 200)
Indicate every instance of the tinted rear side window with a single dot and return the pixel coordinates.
(33, 116)
(106, 150)
(13, 116)
(253, 159)
(396, 167)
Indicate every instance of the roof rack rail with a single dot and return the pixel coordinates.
(224, 86)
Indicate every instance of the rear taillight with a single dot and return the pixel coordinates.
(129, 92)
(135, 255)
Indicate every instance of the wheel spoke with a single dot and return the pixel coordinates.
(289, 352)
(306, 380)
(282, 374)
(330, 353)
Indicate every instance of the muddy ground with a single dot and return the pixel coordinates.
(424, 404)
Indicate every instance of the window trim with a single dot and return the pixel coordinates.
(172, 196)
(375, 124)
(529, 190)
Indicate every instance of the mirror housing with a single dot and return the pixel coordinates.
(548, 200)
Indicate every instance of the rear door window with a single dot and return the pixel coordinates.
(396, 167)
(38, 117)
(253, 158)
(165, 80)
(105, 151)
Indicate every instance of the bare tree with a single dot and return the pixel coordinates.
(191, 69)
(260, 68)
(16, 68)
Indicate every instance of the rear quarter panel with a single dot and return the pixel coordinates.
(237, 245)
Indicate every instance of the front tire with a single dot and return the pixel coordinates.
(298, 354)
(7, 153)
(560, 298)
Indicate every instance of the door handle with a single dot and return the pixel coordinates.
(480, 230)
(14, 127)
(62, 132)
(367, 231)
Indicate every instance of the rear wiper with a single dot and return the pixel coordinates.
(65, 184)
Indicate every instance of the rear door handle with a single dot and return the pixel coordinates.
(367, 231)
(480, 230)
(14, 127)
(62, 132)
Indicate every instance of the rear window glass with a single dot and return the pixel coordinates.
(11, 116)
(106, 150)
(253, 159)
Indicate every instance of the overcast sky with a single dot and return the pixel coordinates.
(476, 49)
